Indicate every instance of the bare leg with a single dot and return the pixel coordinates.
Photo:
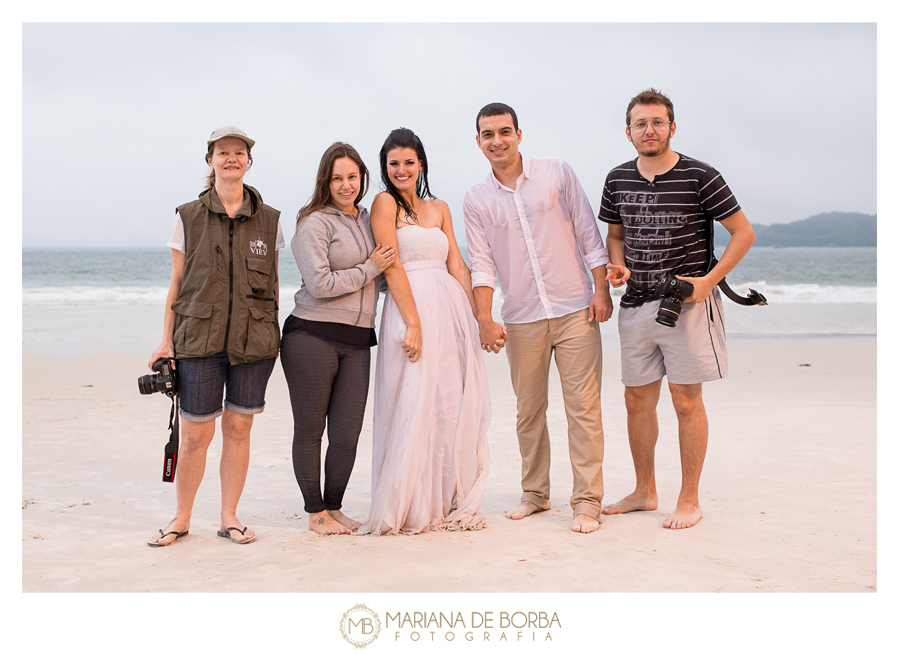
(324, 524)
(195, 440)
(693, 434)
(233, 466)
(526, 508)
(643, 431)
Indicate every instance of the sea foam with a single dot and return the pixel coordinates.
(94, 295)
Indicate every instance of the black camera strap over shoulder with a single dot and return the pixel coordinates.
(171, 453)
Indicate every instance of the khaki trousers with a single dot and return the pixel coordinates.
(575, 344)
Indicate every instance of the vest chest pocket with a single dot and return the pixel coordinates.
(258, 270)
(192, 324)
(262, 334)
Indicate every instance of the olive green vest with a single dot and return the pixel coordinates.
(227, 300)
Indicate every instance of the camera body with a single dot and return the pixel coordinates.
(674, 292)
(161, 382)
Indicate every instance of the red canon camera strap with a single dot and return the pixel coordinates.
(171, 453)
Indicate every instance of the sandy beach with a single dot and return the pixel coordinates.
(788, 492)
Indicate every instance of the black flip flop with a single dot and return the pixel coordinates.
(178, 535)
(226, 534)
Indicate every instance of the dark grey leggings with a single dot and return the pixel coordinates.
(326, 380)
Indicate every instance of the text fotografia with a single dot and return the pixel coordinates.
(477, 626)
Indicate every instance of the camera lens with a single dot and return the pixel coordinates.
(668, 312)
(147, 384)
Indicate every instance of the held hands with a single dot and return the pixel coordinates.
(383, 257)
(412, 343)
(493, 336)
(617, 275)
(166, 349)
(702, 287)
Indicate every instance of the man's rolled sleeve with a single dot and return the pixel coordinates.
(480, 257)
(587, 234)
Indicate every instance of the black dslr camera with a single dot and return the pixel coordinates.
(674, 292)
(162, 382)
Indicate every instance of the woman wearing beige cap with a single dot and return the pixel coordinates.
(221, 327)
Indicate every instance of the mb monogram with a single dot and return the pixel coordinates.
(360, 626)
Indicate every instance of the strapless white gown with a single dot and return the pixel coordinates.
(430, 448)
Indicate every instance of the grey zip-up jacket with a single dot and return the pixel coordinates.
(340, 282)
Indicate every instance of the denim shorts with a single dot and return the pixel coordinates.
(201, 383)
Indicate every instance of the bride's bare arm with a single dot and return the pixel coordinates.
(456, 265)
(384, 229)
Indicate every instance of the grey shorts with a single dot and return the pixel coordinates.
(691, 352)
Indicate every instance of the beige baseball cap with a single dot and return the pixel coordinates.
(228, 131)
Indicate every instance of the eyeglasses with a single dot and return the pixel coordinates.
(640, 125)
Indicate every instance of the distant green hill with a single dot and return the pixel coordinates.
(832, 229)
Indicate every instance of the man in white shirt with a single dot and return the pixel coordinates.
(530, 223)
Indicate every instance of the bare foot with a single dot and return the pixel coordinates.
(344, 520)
(584, 523)
(684, 516)
(632, 503)
(322, 523)
(170, 534)
(525, 508)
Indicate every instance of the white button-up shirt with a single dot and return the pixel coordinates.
(537, 238)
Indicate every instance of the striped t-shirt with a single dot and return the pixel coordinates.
(668, 223)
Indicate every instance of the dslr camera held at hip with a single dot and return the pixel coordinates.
(674, 292)
(161, 382)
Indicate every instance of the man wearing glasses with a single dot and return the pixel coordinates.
(661, 208)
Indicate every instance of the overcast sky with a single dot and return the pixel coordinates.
(787, 112)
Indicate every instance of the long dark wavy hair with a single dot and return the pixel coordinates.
(405, 138)
(321, 197)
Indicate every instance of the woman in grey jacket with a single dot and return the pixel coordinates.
(326, 341)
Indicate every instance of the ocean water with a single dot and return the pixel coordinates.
(97, 300)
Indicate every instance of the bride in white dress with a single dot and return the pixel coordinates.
(432, 406)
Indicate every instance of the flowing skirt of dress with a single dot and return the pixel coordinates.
(430, 448)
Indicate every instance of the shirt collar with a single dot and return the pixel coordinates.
(526, 168)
